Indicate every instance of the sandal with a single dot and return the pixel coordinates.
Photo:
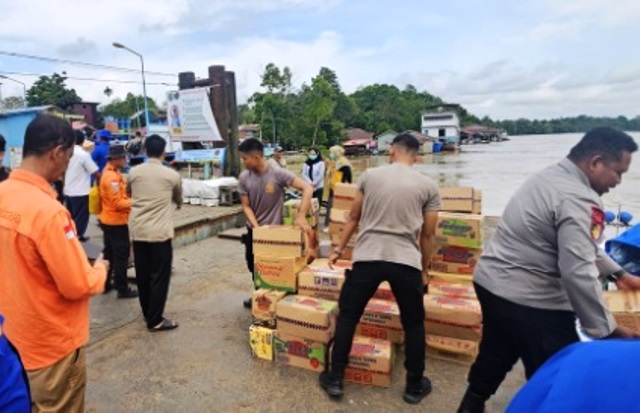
(164, 326)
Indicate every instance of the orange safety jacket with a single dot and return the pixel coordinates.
(45, 277)
(116, 204)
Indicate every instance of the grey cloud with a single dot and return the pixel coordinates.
(81, 46)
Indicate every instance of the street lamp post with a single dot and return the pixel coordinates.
(144, 83)
(24, 88)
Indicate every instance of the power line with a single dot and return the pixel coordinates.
(77, 63)
(90, 79)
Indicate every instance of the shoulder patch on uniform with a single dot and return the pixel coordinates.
(69, 233)
(597, 223)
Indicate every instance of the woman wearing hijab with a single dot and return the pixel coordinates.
(313, 173)
(339, 172)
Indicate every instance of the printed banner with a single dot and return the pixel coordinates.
(190, 117)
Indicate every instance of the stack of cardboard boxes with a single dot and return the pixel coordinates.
(296, 329)
(453, 317)
(343, 196)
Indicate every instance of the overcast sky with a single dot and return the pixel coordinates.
(502, 58)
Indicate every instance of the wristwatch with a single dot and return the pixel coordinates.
(615, 276)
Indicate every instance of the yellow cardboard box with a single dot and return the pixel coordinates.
(307, 317)
(343, 196)
(299, 352)
(625, 307)
(455, 259)
(291, 208)
(370, 361)
(263, 306)
(261, 342)
(464, 230)
(461, 199)
(452, 311)
(278, 273)
(278, 241)
(452, 349)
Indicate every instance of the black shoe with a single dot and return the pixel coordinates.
(247, 303)
(415, 392)
(471, 403)
(128, 293)
(331, 385)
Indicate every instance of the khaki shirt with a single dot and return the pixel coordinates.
(153, 187)
(544, 253)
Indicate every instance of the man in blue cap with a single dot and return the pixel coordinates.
(101, 151)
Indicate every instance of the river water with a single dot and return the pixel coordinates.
(499, 169)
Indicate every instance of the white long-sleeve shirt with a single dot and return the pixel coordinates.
(318, 175)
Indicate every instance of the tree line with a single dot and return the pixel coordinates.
(319, 112)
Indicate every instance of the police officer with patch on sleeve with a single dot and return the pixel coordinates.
(542, 267)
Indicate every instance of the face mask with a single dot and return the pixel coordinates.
(313, 157)
(332, 156)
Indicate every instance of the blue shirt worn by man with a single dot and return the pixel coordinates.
(14, 388)
(99, 154)
(596, 377)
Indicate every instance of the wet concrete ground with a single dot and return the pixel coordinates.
(205, 365)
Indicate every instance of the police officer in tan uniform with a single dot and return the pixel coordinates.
(543, 267)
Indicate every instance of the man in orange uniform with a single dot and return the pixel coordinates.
(45, 277)
(114, 217)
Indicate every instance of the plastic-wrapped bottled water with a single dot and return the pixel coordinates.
(626, 256)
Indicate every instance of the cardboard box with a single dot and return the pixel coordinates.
(299, 352)
(322, 283)
(340, 216)
(453, 311)
(451, 349)
(625, 307)
(367, 377)
(261, 342)
(384, 292)
(278, 273)
(307, 317)
(343, 196)
(447, 330)
(278, 241)
(461, 199)
(263, 307)
(464, 230)
(455, 259)
(465, 279)
(438, 287)
(291, 208)
(394, 335)
(336, 231)
(370, 361)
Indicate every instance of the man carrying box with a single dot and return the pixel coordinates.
(542, 266)
(394, 205)
(261, 187)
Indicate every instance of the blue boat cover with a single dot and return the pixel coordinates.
(597, 377)
(625, 249)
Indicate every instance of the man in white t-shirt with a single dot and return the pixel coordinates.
(77, 184)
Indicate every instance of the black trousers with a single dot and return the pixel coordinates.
(318, 195)
(116, 250)
(511, 332)
(247, 240)
(153, 273)
(78, 207)
(359, 286)
(329, 206)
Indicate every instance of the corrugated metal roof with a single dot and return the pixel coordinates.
(21, 111)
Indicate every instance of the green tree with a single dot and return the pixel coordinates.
(52, 90)
(128, 107)
(272, 107)
(12, 102)
(319, 103)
